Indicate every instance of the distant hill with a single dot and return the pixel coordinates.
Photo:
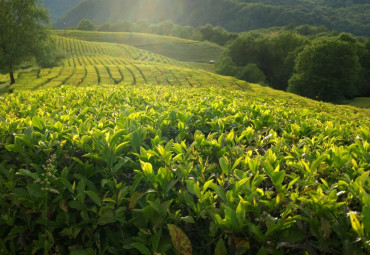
(234, 15)
(58, 7)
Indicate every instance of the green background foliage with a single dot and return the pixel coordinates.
(317, 64)
(23, 34)
(327, 70)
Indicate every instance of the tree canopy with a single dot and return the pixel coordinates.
(310, 61)
(23, 34)
(272, 56)
(86, 25)
(327, 69)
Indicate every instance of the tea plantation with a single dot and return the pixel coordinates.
(170, 159)
(88, 63)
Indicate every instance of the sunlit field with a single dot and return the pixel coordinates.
(132, 149)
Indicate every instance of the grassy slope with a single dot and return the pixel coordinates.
(90, 62)
(173, 47)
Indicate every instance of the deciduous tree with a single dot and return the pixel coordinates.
(327, 70)
(23, 33)
(86, 25)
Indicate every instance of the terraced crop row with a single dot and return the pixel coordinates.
(132, 73)
(75, 47)
(108, 63)
(172, 47)
(83, 53)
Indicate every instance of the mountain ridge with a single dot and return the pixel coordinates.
(58, 8)
(236, 16)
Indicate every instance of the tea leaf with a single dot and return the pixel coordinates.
(193, 188)
(357, 227)
(224, 166)
(240, 242)
(147, 169)
(79, 252)
(94, 197)
(188, 219)
(236, 163)
(38, 122)
(156, 239)
(34, 190)
(179, 240)
(317, 162)
(220, 248)
(278, 178)
(366, 219)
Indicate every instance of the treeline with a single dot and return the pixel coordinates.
(234, 15)
(208, 32)
(309, 4)
(309, 61)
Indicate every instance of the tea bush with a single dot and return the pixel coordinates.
(155, 170)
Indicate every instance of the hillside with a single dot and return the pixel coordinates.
(58, 8)
(113, 62)
(342, 16)
(176, 48)
(120, 150)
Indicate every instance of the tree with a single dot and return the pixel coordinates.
(165, 27)
(278, 65)
(252, 73)
(226, 66)
(86, 25)
(364, 84)
(273, 56)
(23, 33)
(327, 69)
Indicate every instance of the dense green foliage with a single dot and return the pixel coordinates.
(234, 15)
(327, 70)
(131, 169)
(337, 70)
(364, 76)
(273, 55)
(23, 35)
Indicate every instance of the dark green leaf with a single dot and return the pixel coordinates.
(220, 248)
(34, 190)
(142, 248)
(94, 197)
